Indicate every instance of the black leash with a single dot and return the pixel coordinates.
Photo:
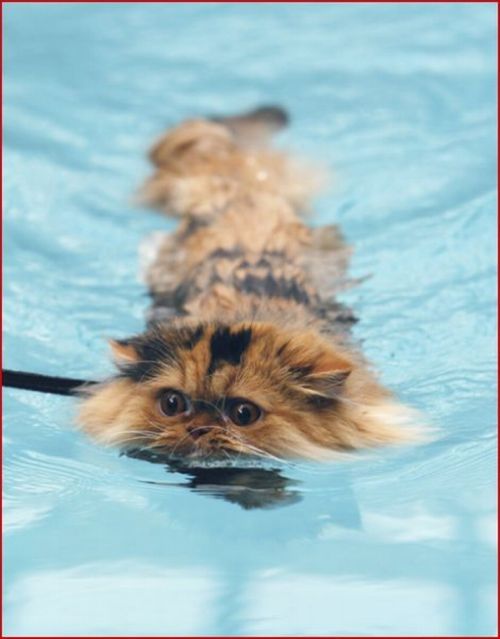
(43, 383)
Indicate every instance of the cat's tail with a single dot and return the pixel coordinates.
(255, 126)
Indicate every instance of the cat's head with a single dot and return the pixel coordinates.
(203, 391)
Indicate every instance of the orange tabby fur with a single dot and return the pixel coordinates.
(239, 312)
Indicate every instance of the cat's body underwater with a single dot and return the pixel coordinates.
(247, 351)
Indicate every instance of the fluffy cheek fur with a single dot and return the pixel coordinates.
(114, 413)
(322, 434)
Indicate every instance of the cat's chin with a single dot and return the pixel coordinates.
(197, 458)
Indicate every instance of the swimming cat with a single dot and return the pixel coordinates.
(247, 352)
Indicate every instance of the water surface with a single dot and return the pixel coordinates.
(399, 100)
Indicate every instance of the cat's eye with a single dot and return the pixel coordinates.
(243, 413)
(172, 402)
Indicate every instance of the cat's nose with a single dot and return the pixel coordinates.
(198, 431)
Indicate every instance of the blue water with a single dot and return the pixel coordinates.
(399, 100)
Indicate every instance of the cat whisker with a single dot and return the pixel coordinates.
(255, 449)
(136, 438)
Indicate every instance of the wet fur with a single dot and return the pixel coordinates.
(243, 306)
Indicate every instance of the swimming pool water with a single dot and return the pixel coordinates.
(399, 100)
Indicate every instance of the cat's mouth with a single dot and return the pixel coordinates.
(207, 443)
(202, 446)
(214, 460)
(200, 431)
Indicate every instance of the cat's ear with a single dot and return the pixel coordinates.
(319, 371)
(329, 374)
(327, 385)
(124, 351)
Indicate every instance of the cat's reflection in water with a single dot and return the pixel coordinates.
(262, 488)
(248, 487)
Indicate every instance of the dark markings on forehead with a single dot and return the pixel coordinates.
(155, 349)
(228, 347)
(152, 350)
(188, 336)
